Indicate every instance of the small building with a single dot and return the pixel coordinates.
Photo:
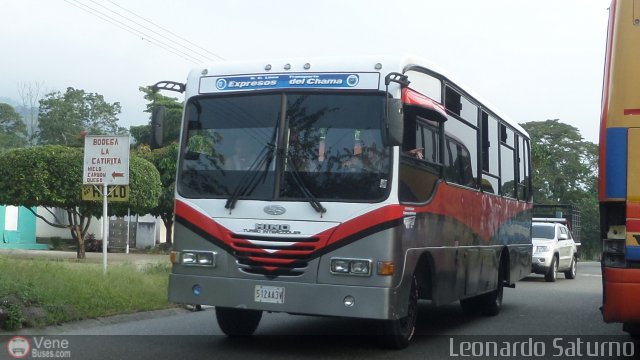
(18, 225)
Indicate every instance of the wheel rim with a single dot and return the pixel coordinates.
(555, 269)
(499, 296)
(408, 324)
(573, 267)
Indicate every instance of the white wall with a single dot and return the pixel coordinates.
(45, 230)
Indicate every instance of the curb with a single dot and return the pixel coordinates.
(88, 323)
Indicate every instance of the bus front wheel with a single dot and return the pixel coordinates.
(238, 322)
(397, 334)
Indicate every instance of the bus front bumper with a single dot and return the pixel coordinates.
(298, 298)
(621, 295)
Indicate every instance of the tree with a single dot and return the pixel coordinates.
(13, 132)
(564, 165)
(51, 177)
(65, 117)
(565, 171)
(30, 94)
(173, 117)
(141, 134)
(165, 160)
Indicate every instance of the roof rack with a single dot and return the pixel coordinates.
(550, 220)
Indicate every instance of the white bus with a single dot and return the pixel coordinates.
(348, 187)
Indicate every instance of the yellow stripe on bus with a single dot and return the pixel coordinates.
(624, 65)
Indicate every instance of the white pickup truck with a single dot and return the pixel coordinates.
(553, 249)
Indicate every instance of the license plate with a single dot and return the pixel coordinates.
(269, 294)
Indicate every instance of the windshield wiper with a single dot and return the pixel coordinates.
(317, 206)
(248, 183)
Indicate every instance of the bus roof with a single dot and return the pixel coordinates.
(383, 64)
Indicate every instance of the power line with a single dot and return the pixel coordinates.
(168, 31)
(176, 43)
(131, 30)
(192, 56)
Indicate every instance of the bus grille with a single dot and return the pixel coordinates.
(273, 256)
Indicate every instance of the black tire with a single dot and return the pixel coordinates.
(552, 274)
(488, 304)
(238, 322)
(571, 273)
(491, 303)
(470, 306)
(397, 334)
(633, 329)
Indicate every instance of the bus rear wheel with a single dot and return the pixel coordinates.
(488, 304)
(238, 322)
(397, 334)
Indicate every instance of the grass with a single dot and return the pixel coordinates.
(62, 291)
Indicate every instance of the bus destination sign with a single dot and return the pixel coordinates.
(360, 81)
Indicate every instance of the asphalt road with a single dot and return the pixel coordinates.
(536, 312)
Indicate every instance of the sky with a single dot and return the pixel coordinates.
(533, 59)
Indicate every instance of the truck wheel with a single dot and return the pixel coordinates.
(571, 273)
(397, 334)
(238, 322)
(552, 274)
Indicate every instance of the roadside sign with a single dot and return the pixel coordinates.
(106, 160)
(117, 193)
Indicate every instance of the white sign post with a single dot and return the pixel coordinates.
(106, 162)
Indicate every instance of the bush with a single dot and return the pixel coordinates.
(91, 244)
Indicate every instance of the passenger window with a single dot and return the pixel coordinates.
(427, 139)
(507, 171)
(461, 106)
(461, 158)
(490, 143)
(458, 168)
(418, 176)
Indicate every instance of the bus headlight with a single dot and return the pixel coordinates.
(197, 258)
(339, 266)
(358, 267)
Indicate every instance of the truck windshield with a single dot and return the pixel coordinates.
(328, 147)
(543, 231)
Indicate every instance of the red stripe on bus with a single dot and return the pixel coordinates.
(632, 111)
(633, 226)
(621, 295)
(202, 221)
(474, 209)
(411, 97)
(633, 210)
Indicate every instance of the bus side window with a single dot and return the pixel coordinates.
(419, 175)
(458, 167)
(524, 190)
(507, 162)
(427, 139)
(461, 157)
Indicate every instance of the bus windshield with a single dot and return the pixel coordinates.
(328, 146)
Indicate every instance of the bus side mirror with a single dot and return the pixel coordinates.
(157, 127)
(393, 126)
